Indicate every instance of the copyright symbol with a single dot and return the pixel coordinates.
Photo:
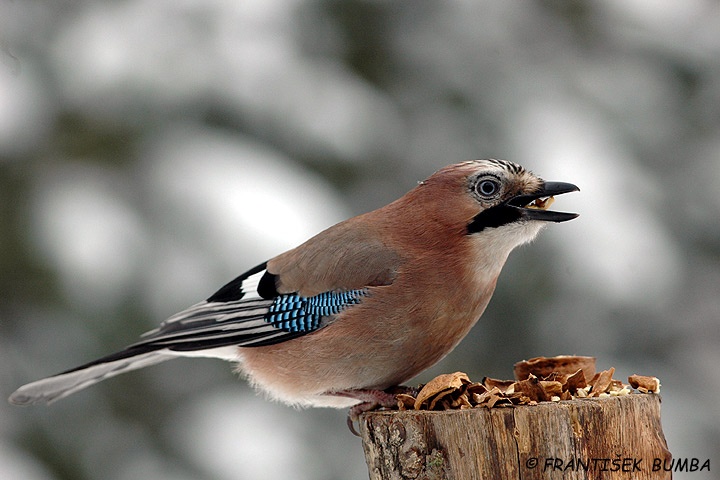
(531, 462)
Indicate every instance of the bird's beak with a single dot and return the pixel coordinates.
(535, 206)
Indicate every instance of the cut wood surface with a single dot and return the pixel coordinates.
(593, 438)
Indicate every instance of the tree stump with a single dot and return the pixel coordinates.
(608, 438)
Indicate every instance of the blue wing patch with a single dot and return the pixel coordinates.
(295, 314)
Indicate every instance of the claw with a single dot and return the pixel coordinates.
(352, 418)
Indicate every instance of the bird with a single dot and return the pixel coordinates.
(363, 306)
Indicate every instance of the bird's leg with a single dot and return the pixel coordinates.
(371, 400)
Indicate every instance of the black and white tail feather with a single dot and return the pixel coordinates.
(247, 312)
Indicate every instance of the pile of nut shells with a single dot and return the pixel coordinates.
(537, 380)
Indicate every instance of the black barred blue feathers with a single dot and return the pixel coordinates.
(293, 313)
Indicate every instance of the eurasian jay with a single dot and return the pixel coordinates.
(361, 307)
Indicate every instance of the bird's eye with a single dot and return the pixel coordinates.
(488, 188)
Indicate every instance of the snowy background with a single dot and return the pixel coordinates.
(151, 150)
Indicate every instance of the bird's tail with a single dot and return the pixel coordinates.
(56, 387)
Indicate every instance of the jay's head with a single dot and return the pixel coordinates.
(494, 200)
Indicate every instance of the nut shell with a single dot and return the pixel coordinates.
(543, 367)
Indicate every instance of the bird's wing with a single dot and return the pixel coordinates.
(291, 295)
(248, 319)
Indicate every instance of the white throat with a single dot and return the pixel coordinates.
(493, 245)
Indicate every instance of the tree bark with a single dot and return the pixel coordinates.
(609, 438)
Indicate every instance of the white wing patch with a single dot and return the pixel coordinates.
(250, 286)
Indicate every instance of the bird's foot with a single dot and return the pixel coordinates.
(371, 400)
